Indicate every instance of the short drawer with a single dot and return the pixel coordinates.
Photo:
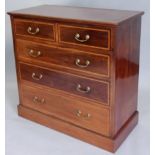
(79, 61)
(83, 87)
(88, 116)
(35, 29)
(81, 36)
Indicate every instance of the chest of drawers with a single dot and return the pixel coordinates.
(77, 70)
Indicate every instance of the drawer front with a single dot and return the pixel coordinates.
(84, 36)
(83, 62)
(90, 89)
(35, 29)
(82, 114)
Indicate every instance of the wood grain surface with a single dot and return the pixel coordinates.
(77, 70)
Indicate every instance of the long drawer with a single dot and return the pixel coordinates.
(81, 86)
(79, 61)
(85, 115)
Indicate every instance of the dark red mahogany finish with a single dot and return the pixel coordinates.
(77, 69)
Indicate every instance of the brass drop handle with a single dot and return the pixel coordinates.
(77, 62)
(77, 37)
(30, 30)
(83, 116)
(37, 77)
(87, 116)
(34, 54)
(37, 100)
(83, 90)
(78, 113)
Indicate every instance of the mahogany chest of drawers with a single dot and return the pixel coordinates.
(77, 70)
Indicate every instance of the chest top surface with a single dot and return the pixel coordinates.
(110, 16)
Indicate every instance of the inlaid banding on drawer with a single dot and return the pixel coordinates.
(84, 36)
(79, 61)
(90, 89)
(85, 115)
(35, 29)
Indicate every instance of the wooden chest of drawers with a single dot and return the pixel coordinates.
(77, 70)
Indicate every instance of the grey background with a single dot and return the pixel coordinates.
(27, 138)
